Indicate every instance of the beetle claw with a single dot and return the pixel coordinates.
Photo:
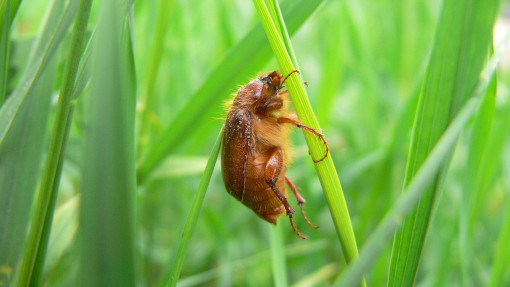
(323, 138)
(295, 228)
(306, 218)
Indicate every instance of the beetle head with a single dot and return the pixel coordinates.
(272, 81)
(261, 93)
(269, 97)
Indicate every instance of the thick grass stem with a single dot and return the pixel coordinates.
(325, 169)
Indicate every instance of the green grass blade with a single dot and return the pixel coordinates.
(21, 149)
(500, 268)
(482, 128)
(278, 257)
(325, 169)
(475, 172)
(4, 50)
(108, 187)
(164, 7)
(414, 191)
(171, 275)
(40, 228)
(491, 165)
(63, 233)
(83, 76)
(21, 155)
(10, 8)
(461, 45)
(418, 186)
(243, 61)
(330, 60)
(58, 20)
(276, 14)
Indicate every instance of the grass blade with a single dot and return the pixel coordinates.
(165, 6)
(491, 164)
(414, 191)
(461, 45)
(500, 270)
(171, 275)
(276, 14)
(20, 159)
(40, 229)
(63, 233)
(21, 149)
(10, 9)
(108, 187)
(278, 256)
(418, 186)
(242, 62)
(55, 27)
(325, 169)
(475, 172)
(4, 50)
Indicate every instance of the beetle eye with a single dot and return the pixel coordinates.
(275, 80)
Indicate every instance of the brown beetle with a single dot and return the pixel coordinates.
(255, 150)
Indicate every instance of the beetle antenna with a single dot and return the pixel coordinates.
(295, 71)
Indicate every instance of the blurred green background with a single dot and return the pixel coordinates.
(364, 62)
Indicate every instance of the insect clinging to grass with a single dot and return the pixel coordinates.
(255, 150)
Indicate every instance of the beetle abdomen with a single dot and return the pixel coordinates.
(259, 196)
(256, 194)
(271, 215)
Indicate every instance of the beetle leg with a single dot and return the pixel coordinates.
(283, 93)
(309, 129)
(273, 168)
(301, 200)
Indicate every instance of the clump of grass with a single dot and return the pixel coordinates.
(418, 186)
(445, 90)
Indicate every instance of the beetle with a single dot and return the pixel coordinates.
(255, 148)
